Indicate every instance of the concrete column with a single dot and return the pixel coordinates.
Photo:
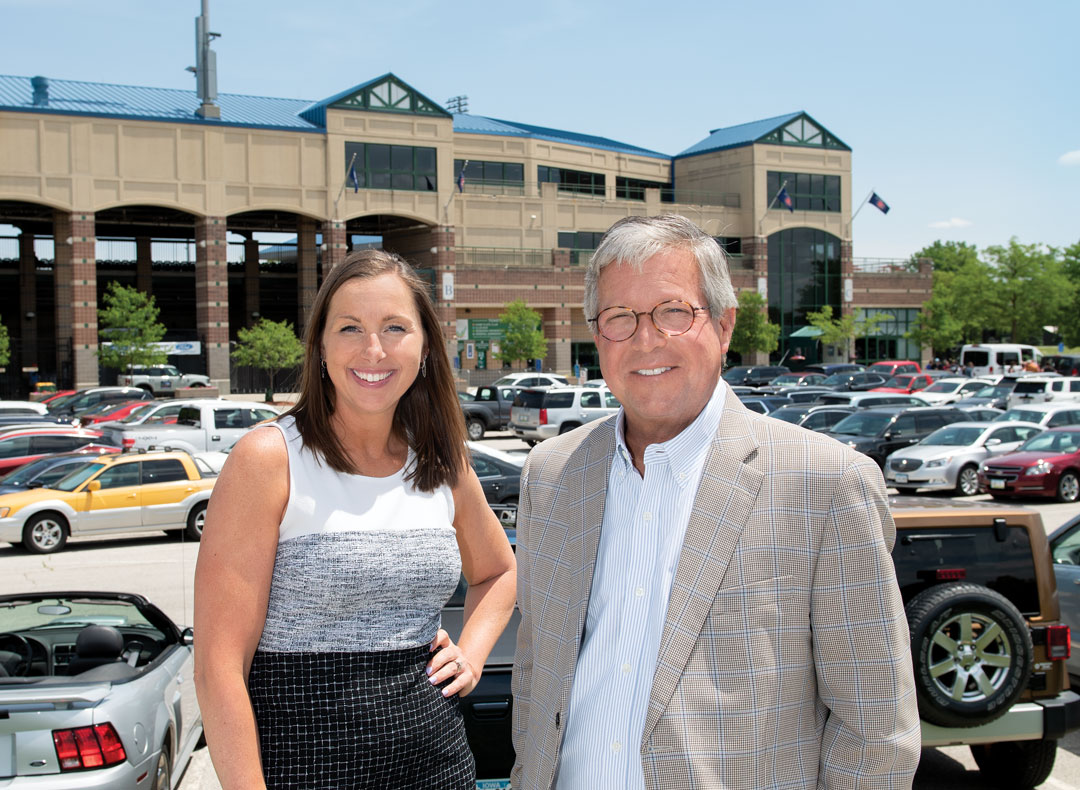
(556, 327)
(144, 260)
(847, 272)
(307, 273)
(757, 249)
(443, 263)
(251, 281)
(212, 298)
(334, 250)
(28, 299)
(75, 279)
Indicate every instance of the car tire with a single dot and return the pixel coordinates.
(475, 429)
(1015, 765)
(1068, 489)
(45, 533)
(959, 683)
(146, 387)
(196, 520)
(531, 442)
(162, 771)
(906, 491)
(967, 481)
(566, 427)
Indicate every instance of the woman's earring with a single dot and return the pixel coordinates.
(423, 367)
(323, 364)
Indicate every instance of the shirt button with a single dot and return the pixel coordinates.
(616, 746)
(626, 669)
(682, 475)
(646, 516)
(640, 591)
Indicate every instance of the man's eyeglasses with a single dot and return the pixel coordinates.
(673, 317)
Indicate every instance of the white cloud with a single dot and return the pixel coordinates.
(955, 222)
(1069, 158)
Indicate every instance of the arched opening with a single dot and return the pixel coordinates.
(804, 276)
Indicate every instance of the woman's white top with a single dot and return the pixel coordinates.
(363, 563)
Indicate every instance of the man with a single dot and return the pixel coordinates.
(707, 596)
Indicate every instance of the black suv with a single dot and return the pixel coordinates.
(879, 432)
(987, 641)
(753, 375)
(854, 381)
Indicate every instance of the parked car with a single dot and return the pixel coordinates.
(161, 379)
(1065, 364)
(813, 418)
(22, 407)
(157, 412)
(990, 358)
(979, 413)
(110, 412)
(753, 375)
(50, 469)
(763, 404)
(131, 492)
(1065, 550)
(951, 389)
(882, 431)
(853, 381)
(200, 426)
(86, 399)
(532, 380)
(1048, 415)
(465, 397)
(804, 378)
(23, 445)
(949, 458)
(808, 394)
(894, 367)
(906, 383)
(500, 477)
(1045, 389)
(489, 410)
(869, 399)
(541, 414)
(1046, 465)
(96, 692)
(979, 563)
(832, 368)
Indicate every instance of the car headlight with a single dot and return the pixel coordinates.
(937, 462)
(1041, 468)
(4, 512)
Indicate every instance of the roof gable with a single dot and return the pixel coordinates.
(796, 128)
(387, 93)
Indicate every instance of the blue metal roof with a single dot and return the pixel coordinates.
(316, 112)
(478, 124)
(736, 136)
(71, 97)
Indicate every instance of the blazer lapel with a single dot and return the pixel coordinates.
(722, 506)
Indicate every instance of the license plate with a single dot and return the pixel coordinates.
(994, 483)
(901, 478)
(492, 784)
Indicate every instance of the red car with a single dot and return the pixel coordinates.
(112, 411)
(907, 383)
(1046, 465)
(894, 367)
(23, 445)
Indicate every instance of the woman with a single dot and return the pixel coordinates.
(334, 537)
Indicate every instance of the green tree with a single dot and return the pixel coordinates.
(843, 330)
(752, 331)
(5, 346)
(270, 346)
(129, 329)
(937, 326)
(948, 256)
(1030, 291)
(523, 338)
(1069, 322)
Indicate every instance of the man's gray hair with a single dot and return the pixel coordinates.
(634, 240)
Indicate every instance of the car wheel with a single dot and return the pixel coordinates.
(196, 385)
(1015, 765)
(566, 427)
(475, 429)
(162, 778)
(196, 520)
(146, 387)
(1068, 489)
(967, 482)
(972, 654)
(531, 442)
(45, 533)
(906, 491)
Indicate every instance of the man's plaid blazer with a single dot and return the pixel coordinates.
(785, 658)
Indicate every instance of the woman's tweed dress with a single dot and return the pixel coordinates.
(364, 566)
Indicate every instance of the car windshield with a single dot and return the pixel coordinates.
(1052, 441)
(944, 386)
(902, 382)
(1023, 415)
(76, 478)
(24, 474)
(787, 380)
(789, 414)
(862, 424)
(737, 373)
(137, 412)
(994, 391)
(63, 400)
(836, 378)
(63, 612)
(954, 436)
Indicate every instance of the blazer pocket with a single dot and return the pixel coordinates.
(763, 594)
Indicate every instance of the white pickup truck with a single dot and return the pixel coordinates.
(201, 426)
(161, 379)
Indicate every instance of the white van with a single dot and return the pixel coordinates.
(1037, 389)
(997, 358)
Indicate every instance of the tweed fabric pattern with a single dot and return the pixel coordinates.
(784, 660)
(335, 721)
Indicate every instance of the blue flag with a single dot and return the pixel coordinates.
(784, 199)
(461, 181)
(354, 179)
(878, 203)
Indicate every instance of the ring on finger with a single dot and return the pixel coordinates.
(459, 666)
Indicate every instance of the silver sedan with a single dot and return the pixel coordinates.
(949, 458)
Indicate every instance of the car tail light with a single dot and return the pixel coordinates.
(543, 416)
(1058, 642)
(129, 443)
(949, 574)
(88, 747)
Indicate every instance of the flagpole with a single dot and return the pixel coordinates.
(860, 208)
(445, 212)
(769, 207)
(344, 181)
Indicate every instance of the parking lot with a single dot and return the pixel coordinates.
(162, 568)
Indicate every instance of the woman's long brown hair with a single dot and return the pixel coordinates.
(428, 416)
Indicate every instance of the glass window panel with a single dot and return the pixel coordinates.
(378, 157)
(379, 180)
(493, 171)
(474, 171)
(401, 157)
(567, 239)
(425, 160)
(402, 181)
(832, 185)
(817, 184)
(513, 172)
(802, 183)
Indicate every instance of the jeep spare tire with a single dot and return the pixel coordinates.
(972, 653)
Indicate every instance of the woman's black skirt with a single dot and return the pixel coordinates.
(333, 721)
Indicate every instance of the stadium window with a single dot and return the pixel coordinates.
(572, 180)
(808, 191)
(381, 166)
(490, 173)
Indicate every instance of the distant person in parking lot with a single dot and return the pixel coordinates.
(333, 540)
(707, 596)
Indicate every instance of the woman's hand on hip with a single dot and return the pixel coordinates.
(450, 663)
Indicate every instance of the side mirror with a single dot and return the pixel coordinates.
(187, 636)
(93, 485)
(992, 442)
(888, 435)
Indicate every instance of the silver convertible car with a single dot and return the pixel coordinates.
(96, 691)
(949, 457)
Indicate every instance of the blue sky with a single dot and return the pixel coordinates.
(964, 116)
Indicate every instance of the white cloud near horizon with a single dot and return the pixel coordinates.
(1069, 158)
(955, 222)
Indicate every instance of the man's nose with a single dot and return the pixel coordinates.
(647, 336)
